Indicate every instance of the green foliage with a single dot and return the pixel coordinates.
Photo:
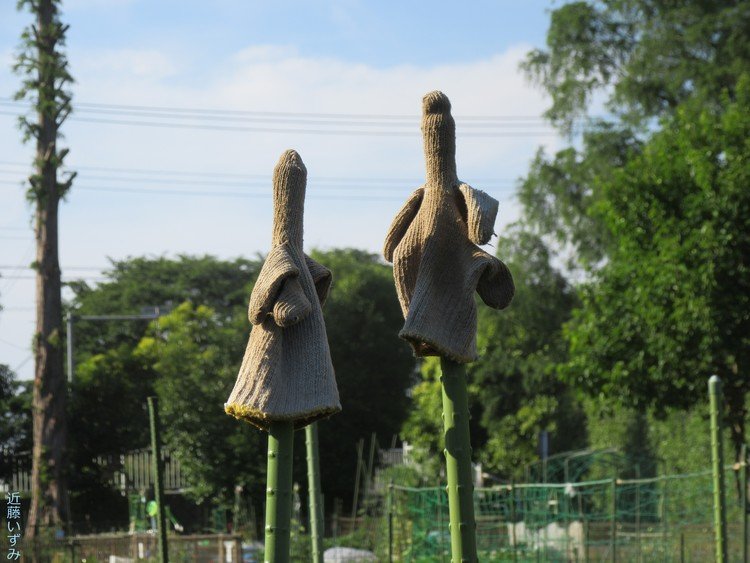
(138, 283)
(423, 428)
(646, 57)
(513, 390)
(401, 475)
(670, 306)
(513, 381)
(15, 411)
(559, 193)
(649, 55)
(653, 205)
(108, 414)
(43, 67)
(374, 368)
(191, 356)
(195, 355)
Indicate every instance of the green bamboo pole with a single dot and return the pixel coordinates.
(458, 462)
(279, 491)
(743, 497)
(638, 511)
(717, 457)
(613, 523)
(390, 522)
(314, 494)
(158, 475)
(513, 521)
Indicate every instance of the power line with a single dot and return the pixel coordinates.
(266, 178)
(25, 256)
(280, 114)
(333, 132)
(227, 194)
(66, 280)
(298, 121)
(23, 363)
(66, 268)
(13, 344)
(336, 124)
(266, 183)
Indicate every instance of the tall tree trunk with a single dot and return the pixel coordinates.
(49, 503)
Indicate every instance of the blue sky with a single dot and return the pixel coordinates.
(378, 33)
(350, 57)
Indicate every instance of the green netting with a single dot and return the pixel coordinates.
(667, 518)
(588, 464)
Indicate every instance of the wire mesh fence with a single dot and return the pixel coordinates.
(668, 518)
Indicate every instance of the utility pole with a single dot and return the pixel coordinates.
(71, 318)
(45, 78)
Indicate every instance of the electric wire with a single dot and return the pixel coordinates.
(508, 126)
(122, 174)
(279, 114)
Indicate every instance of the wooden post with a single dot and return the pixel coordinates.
(355, 500)
(458, 462)
(158, 475)
(370, 464)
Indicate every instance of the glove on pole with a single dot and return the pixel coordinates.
(437, 267)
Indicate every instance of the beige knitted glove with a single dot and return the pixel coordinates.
(432, 242)
(286, 373)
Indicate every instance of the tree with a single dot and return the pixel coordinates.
(15, 406)
(141, 283)
(113, 380)
(195, 355)
(644, 57)
(45, 70)
(514, 390)
(649, 55)
(190, 357)
(669, 307)
(515, 380)
(663, 325)
(374, 368)
(15, 421)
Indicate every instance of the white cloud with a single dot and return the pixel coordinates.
(262, 78)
